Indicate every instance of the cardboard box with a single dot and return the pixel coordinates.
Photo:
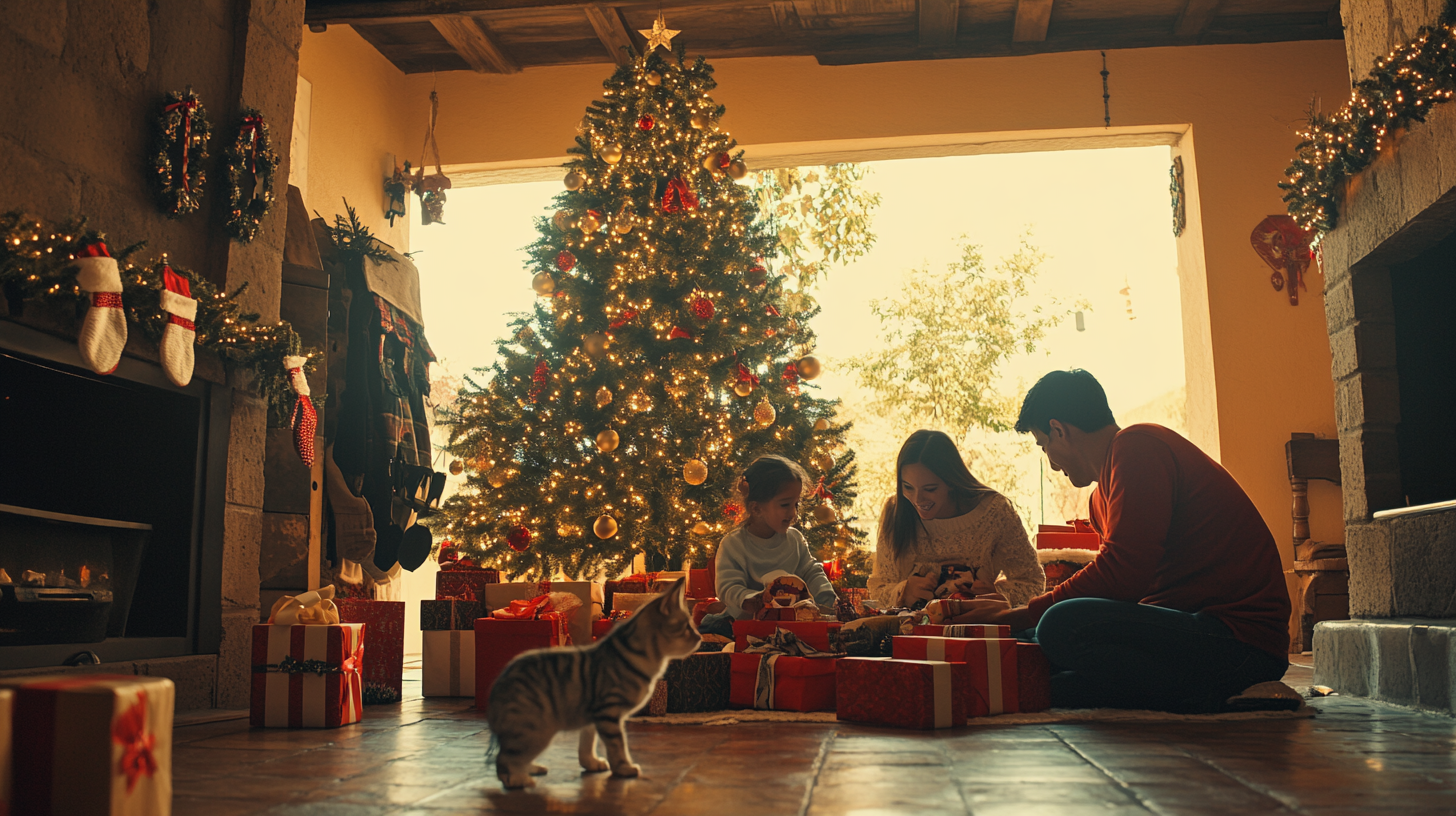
(307, 676)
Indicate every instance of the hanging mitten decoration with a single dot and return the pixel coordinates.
(103, 332)
(305, 419)
(180, 335)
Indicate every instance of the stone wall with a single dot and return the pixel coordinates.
(84, 80)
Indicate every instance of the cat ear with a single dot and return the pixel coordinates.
(675, 596)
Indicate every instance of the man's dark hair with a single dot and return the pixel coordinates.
(1071, 397)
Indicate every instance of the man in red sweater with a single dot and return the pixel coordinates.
(1185, 606)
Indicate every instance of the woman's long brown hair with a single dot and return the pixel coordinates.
(939, 454)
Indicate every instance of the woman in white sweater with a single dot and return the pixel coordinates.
(942, 515)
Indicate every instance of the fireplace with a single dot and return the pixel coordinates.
(1422, 295)
(110, 508)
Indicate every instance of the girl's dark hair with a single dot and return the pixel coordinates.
(763, 479)
(937, 452)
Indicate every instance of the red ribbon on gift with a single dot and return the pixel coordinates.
(186, 106)
(678, 196)
(744, 375)
(532, 609)
(626, 318)
(138, 744)
(250, 127)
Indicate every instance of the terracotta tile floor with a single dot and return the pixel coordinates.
(426, 758)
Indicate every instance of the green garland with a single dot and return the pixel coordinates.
(249, 156)
(36, 265)
(181, 139)
(1401, 90)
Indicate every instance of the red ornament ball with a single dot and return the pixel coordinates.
(519, 538)
(757, 275)
(646, 122)
(565, 261)
(703, 308)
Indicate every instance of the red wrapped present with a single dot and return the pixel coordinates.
(447, 665)
(929, 647)
(790, 613)
(700, 584)
(993, 679)
(91, 744)
(498, 641)
(975, 630)
(901, 693)
(499, 596)
(1033, 679)
(601, 627)
(1078, 535)
(813, 633)
(1061, 564)
(782, 682)
(384, 661)
(465, 583)
(701, 609)
(307, 676)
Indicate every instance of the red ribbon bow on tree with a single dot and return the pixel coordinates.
(679, 190)
(187, 106)
(130, 732)
(625, 318)
(821, 491)
(744, 375)
(251, 125)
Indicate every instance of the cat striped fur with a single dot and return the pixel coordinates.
(592, 688)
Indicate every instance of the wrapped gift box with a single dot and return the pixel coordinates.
(975, 630)
(464, 582)
(449, 613)
(91, 744)
(994, 680)
(1033, 679)
(790, 613)
(813, 633)
(497, 642)
(630, 601)
(662, 580)
(448, 663)
(498, 596)
(1078, 535)
(797, 683)
(307, 676)
(930, 647)
(699, 682)
(384, 659)
(700, 583)
(656, 705)
(901, 693)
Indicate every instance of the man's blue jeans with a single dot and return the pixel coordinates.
(1114, 654)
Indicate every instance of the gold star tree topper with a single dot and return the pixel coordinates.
(659, 34)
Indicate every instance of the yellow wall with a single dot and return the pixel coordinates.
(363, 114)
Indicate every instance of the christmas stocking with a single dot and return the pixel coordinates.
(305, 418)
(103, 332)
(180, 335)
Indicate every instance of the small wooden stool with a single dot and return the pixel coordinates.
(1321, 571)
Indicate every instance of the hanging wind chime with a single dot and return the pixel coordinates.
(431, 188)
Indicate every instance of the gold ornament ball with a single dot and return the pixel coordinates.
(824, 514)
(589, 223)
(737, 169)
(695, 472)
(573, 181)
(701, 528)
(595, 344)
(496, 478)
(699, 121)
(764, 413)
(743, 388)
(822, 461)
(821, 424)
(808, 368)
(543, 283)
(604, 397)
(607, 441)
(561, 220)
(653, 78)
(622, 224)
(605, 527)
(457, 467)
(612, 153)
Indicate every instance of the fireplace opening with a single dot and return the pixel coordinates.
(1423, 293)
(109, 449)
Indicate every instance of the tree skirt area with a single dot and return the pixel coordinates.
(1039, 718)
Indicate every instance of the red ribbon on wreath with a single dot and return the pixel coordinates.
(186, 106)
(744, 375)
(137, 743)
(678, 196)
(251, 126)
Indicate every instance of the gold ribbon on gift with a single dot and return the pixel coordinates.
(314, 608)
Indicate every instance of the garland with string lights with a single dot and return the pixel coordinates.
(249, 157)
(1401, 90)
(38, 264)
(178, 151)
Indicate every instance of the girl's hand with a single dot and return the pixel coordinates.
(753, 605)
(980, 608)
(919, 588)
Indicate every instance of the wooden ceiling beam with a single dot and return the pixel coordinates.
(419, 11)
(611, 29)
(1195, 17)
(1032, 19)
(471, 41)
(937, 25)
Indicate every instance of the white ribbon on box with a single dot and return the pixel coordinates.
(448, 663)
(995, 696)
(315, 690)
(943, 691)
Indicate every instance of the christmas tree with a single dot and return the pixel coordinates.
(662, 357)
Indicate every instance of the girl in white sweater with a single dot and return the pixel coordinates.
(942, 515)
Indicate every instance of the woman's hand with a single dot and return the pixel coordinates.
(919, 588)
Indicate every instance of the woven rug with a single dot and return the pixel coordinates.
(1040, 718)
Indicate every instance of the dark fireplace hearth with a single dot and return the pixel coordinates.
(1422, 293)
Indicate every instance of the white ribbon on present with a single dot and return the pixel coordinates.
(942, 684)
(935, 648)
(315, 607)
(995, 696)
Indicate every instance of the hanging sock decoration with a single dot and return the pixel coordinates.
(179, 337)
(305, 419)
(178, 152)
(103, 332)
(250, 157)
(431, 189)
(678, 197)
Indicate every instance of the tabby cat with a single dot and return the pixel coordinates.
(592, 688)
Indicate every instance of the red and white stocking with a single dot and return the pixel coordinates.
(305, 418)
(103, 331)
(180, 335)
